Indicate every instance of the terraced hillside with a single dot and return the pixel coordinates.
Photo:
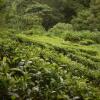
(43, 67)
(49, 49)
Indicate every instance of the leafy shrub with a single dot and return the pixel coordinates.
(85, 20)
(81, 35)
(36, 29)
(60, 29)
(23, 22)
(87, 42)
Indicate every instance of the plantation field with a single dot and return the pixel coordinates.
(49, 49)
(44, 67)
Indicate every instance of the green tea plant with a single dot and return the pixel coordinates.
(58, 64)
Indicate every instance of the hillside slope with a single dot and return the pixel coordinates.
(49, 49)
(41, 67)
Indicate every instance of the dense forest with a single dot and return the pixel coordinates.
(49, 49)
